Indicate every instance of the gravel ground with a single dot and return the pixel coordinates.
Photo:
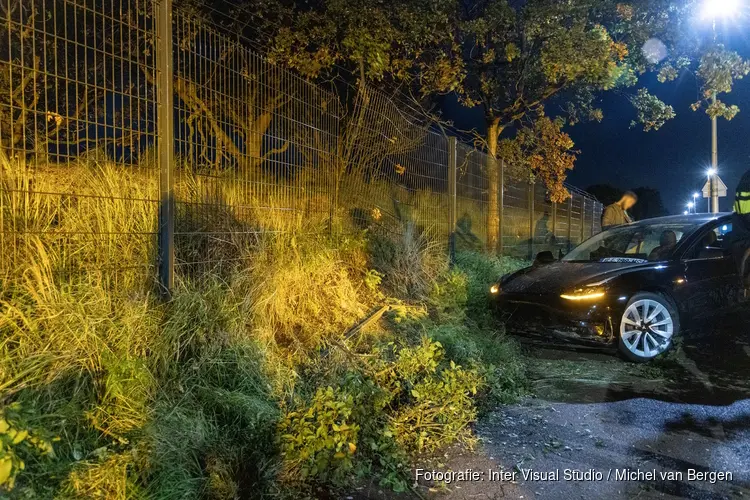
(634, 435)
(597, 413)
(600, 417)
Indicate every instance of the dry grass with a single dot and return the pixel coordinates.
(178, 400)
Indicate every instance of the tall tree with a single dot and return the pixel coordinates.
(514, 59)
(605, 193)
(649, 204)
(517, 57)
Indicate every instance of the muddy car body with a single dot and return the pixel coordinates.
(632, 286)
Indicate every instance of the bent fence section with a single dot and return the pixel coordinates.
(137, 138)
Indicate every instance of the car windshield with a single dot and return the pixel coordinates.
(632, 243)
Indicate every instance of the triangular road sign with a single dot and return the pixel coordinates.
(722, 188)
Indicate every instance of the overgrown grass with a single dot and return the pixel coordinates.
(244, 384)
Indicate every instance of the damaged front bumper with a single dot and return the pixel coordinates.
(593, 324)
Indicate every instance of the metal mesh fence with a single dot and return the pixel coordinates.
(79, 188)
(255, 147)
(127, 125)
(472, 195)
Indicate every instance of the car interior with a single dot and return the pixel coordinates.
(715, 244)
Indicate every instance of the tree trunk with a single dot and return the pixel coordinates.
(493, 173)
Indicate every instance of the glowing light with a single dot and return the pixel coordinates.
(494, 289)
(725, 228)
(579, 295)
(654, 50)
(690, 205)
(711, 172)
(685, 212)
(716, 9)
(695, 195)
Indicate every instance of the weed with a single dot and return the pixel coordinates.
(319, 439)
(243, 383)
(410, 262)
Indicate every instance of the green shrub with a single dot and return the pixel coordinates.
(319, 439)
(17, 441)
(481, 272)
(436, 405)
(450, 295)
(496, 358)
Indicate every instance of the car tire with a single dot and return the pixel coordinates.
(644, 339)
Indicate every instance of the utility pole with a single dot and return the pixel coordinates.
(714, 159)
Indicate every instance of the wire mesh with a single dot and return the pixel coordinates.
(516, 231)
(257, 150)
(396, 170)
(472, 198)
(255, 147)
(79, 191)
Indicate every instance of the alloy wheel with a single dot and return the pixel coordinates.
(646, 328)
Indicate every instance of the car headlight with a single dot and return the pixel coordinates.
(586, 293)
(495, 289)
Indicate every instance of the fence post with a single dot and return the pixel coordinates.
(501, 202)
(570, 222)
(554, 226)
(452, 195)
(165, 145)
(531, 221)
(583, 218)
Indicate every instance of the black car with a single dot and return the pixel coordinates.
(632, 285)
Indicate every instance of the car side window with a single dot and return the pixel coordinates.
(716, 239)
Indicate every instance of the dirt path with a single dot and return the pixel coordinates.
(644, 439)
(622, 430)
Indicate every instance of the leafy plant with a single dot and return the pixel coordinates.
(318, 440)
(17, 441)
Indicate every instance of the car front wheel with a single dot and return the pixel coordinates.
(647, 327)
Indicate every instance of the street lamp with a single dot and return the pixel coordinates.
(685, 212)
(695, 202)
(713, 9)
(691, 206)
(716, 9)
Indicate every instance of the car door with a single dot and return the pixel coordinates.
(712, 282)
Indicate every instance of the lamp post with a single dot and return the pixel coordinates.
(691, 206)
(695, 202)
(713, 9)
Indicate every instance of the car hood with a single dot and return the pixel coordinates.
(559, 277)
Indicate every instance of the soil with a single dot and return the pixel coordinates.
(667, 429)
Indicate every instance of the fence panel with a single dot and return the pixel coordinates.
(255, 149)
(79, 186)
(472, 199)
(543, 218)
(515, 223)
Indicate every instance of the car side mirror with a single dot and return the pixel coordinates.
(544, 258)
(711, 253)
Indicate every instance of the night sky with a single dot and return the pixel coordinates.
(673, 159)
